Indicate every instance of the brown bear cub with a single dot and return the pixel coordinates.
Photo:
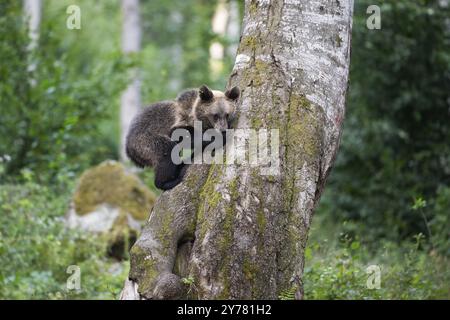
(148, 142)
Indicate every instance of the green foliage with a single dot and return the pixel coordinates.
(392, 177)
(395, 145)
(51, 106)
(439, 225)
(63, 109)
(188, 281)
(175, 55)
(36, 248)
(338, 269)
(288, 294)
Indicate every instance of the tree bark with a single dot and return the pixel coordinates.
(131, 43)
(219, 27)
(32, 12)
(233, 27)
(32, 9)
(228, 230)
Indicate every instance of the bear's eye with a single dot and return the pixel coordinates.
(216, 117)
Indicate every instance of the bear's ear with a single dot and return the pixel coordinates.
(233, 93)
(205, 93)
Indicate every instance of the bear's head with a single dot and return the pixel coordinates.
(216, 109)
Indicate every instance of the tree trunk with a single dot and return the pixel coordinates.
(219, 27)
(32, 9)
(131, 43)
(32, 12)
(233, 27)
(176, 53)
(230, 231)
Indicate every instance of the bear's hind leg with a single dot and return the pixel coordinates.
(168, 175)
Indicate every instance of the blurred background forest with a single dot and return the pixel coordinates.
(387, 202)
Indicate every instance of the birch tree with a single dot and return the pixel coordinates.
(32, 13)
(219, 27)
(225, 23)
(32, 9)
(233, 27)
(131, 43)
(228, 231)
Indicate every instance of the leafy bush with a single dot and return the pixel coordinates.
(395, 140)
(339, 269)
(439, 224)
(36, 248)
(52, 109)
